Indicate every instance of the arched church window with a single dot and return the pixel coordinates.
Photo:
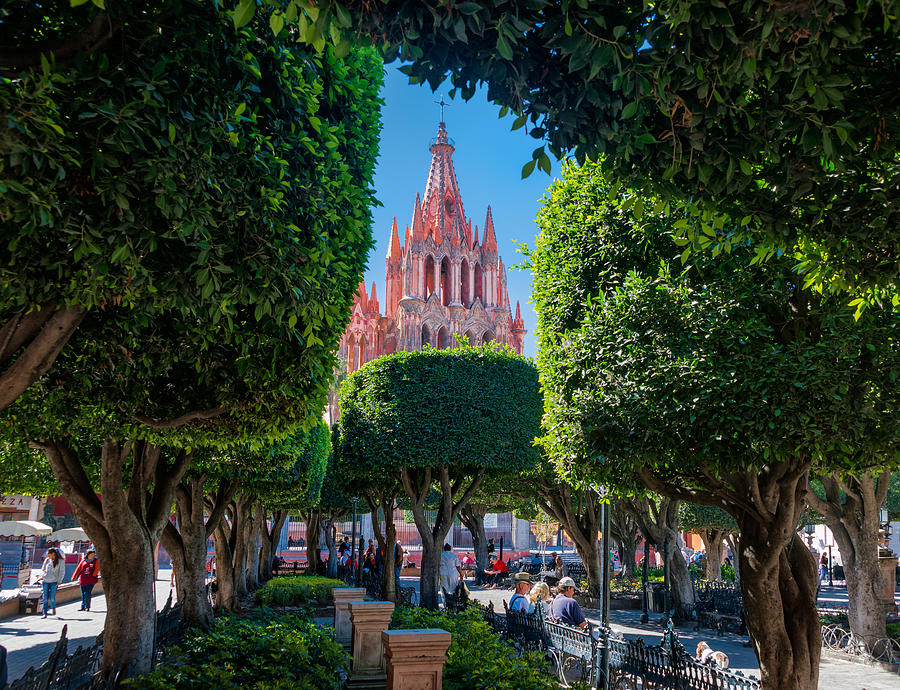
(443, 338)
(477, 284)
(426, 335)
(429, 276)
(445, 281)
(464, 284)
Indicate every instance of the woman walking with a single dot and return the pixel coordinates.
(52, 572)
(87, 572)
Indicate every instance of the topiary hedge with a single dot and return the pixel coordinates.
(297, 591)
(478, 659)
(265, 652)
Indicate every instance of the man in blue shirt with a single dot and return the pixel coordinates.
(519, 600)
(564, 608)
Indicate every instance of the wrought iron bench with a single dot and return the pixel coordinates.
(576, 571)
(571, 647)
(719, 608)
(456, 602)
(77, 671)
(492, 618)
(525, 630)
(43, 677)
(406, 596)
(169, 628)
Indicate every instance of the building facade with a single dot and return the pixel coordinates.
(440, 282)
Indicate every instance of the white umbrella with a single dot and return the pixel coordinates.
(69, 534)
(24, 528)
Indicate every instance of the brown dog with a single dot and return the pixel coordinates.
(706, 655)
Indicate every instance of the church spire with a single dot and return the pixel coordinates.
(393, 253)
(418, 223)
(490, 240)
(442, 206)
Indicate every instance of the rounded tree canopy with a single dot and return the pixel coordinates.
(205, 198)
(689, 371)
(467, 408)
(696, 518)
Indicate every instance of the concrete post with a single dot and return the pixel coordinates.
(369, 619)
(342, 597)
(415, 658)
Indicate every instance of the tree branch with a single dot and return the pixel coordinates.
(175, 422)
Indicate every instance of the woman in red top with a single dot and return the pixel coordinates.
(87, 572)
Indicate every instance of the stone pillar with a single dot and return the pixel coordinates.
(888, 566)
(415, 658)
(342, 598)
(369, 619)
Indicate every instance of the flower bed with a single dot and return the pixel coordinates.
(302, 590)
(265, 652)
(478, 659)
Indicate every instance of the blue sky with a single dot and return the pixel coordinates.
(488, 162)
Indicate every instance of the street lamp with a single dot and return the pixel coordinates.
(354, 500)
(810, 530)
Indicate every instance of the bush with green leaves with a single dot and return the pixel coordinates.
(297, 591)
(264, 652)
(478, 658)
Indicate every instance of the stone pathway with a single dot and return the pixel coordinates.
(30, 639)
(833, 674)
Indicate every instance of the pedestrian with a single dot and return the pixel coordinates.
(490, 546)
(88, 572)
(345, 546)
(559, 570)
(497, 572)
(539, 596)
(823, 573)
(52, 572)
(520, 600)
(451, 575)
(398, 561)
(564, 608)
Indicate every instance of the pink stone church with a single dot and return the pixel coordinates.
(440, 282)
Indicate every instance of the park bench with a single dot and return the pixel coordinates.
(525, 630)
(577, 572)
(169, 628)
(456, 602)
(570, 647)
(43, 677)
(719, 606)
(406, 596)
(492, 618)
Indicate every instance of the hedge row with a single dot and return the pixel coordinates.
(297, 591)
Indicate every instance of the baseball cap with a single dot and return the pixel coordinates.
(565, 582)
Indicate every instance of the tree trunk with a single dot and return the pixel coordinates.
(472, 516)
(329, 532)
(851, 508)
(124, 527)
(270, 539)
(628, 553)
(197, 515)
(240, 539)
(735, 543)
(591, 554)
(386, 541)
(313, 520)
(714, 542)
(226, 595)
(778, 574)
(253, 547)
(659, 521)
(780, 609)
(417, 484)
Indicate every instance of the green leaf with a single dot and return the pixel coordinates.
(503, 48)
(244, 13)
(629, 110)
(749, 66)
(276, 22)
(171, 133)
(528, 168)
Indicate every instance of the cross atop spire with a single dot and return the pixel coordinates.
(442, 104)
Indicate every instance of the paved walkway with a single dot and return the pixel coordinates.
(30, 639)
(833, 675)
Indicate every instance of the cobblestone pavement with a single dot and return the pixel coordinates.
(30, 639)
(833, 674)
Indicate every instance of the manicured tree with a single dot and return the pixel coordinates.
(444, 419)
(382, 492)
(222, 299)
(713, 383)
(783, 114)
(850, 504)
(658, 519)
(713, 525)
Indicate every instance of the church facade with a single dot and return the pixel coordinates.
(440, 282)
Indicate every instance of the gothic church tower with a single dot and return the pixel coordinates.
(440, 281)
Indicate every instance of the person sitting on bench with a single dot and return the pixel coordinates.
(497, 572)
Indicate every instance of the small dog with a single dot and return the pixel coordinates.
(707, 655)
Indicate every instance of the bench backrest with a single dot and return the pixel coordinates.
(525, 627)
(574, 642)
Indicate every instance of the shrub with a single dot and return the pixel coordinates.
(297, 591)
(478, 659)
(266, 652)
(728, 572)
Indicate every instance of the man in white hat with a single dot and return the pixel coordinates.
(519, 600)
(564, 608)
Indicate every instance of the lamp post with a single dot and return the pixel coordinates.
(354, 500)
(645, 604)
